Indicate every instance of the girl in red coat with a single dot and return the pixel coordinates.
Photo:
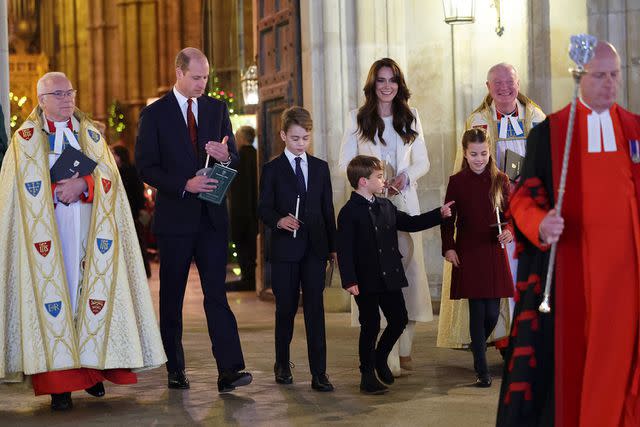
(481, 269)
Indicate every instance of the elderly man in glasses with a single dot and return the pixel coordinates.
(74, 301)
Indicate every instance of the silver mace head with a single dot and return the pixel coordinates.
(581, 50)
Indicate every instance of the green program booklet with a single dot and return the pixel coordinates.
(224, 175)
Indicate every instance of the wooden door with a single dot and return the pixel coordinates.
(280, 83)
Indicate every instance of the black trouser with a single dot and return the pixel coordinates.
(483, 316)
(244, 233)
(286, 280)
(209, 249)
(392, 305)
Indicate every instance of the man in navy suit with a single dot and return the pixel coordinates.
(175, 135)
(296, 202)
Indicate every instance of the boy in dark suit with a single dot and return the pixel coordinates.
(296, 203)
(371, 267)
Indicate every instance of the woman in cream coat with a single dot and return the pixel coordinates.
(404, 154)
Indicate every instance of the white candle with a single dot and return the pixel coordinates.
(296, 215)
(499, 225)
(206, 164)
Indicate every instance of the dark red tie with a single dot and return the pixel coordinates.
(193, 128)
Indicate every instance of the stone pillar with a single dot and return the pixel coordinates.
(139, 44)
(330, 87)
(4, 64)
(74, 53)
(617, 22)
(169, 43)
(97, 29)
(539, 87)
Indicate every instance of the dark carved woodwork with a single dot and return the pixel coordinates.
(280, 82)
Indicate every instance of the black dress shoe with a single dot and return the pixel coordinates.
(61, 402)
(369, 384)
(282, 372)
(383, 371)
(178, 380)
(228, 381)
(96, 391)
(483, 381)
(321, 383)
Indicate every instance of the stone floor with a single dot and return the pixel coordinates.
(437, 393)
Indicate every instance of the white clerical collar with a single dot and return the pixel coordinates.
(509, 118)
(291, 156)
(600, 130)
(62, 130)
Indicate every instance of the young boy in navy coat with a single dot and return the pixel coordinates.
(296, 202)
(371, 267)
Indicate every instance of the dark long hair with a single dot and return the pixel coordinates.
(478, 136)
(369, 120)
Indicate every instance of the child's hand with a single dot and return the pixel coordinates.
(445, 210)
(288, 223)
(452, 256)
(505, 237)
(353, 290)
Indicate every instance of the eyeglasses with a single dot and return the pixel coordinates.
(62, 94)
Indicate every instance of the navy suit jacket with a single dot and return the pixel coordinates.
(368, 254)
(278, 192)
(166, 160)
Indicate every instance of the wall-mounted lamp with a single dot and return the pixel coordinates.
(499, 27)
(458, 11)
(249, 83)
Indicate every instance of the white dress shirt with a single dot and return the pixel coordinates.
(304, 165)
(182, 102)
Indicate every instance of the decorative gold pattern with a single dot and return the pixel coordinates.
(124, 333)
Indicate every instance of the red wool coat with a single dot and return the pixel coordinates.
(484, 267)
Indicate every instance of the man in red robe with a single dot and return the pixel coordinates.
(579, 365)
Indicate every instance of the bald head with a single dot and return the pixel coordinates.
(599, 87)
(503, 84)
(192, 72)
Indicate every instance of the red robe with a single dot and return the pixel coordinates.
(593, 378)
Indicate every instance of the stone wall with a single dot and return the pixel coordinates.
(445, 68)
(617, 21)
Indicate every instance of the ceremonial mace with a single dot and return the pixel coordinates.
(581, 50)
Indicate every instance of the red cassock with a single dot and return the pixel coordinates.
(595, 322)
(484, 268)
(56, 382)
